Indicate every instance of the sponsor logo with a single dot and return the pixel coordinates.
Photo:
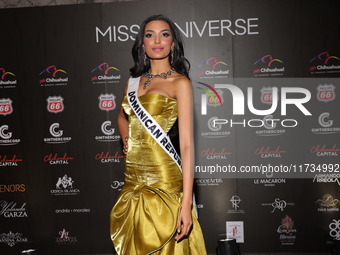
(64, 182)
(334, 229)
(9, 161)
(267, 152)
(10, 210)
(117, 185)
(55, 104)
(12, 238)
(268, 68)
(66, 210)
(7, 79)
(287, 231)
(325, 151)
(6, 106)
(108, 132)
(269, 182)
(105, 157)
(215, 101)
(107, 129)
(267, 95)
(64, 186)
(324, 63)
(325, 93)
(235, 201)
(323, 121)
(327, 178)
(208, 182)
(326, 125)
(55, 159)
(57, 135)
(5, 136)
(105, 74)
(214, 154)
(215, 129)
(107, 102)
(53, 76)
(270, 127)
(328, 204)
(11, 188)
(278, 205)
(212, 97)
(213, 68)
(235, 230)
(64, 238)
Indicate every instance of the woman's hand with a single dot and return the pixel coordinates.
(184, 223)
(125, 144)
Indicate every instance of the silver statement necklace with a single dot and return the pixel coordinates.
(151, 76)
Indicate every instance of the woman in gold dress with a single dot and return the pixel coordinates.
(154, 211)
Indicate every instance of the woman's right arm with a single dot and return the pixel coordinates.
(123, 125)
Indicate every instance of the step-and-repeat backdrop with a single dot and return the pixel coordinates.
(264, 76)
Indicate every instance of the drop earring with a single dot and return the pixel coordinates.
(144, 56)
(172, 55)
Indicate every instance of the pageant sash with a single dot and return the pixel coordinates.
(149, 123)
(153, 128)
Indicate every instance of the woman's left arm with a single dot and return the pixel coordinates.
(185, 104)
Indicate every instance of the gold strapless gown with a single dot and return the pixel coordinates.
(144, 218)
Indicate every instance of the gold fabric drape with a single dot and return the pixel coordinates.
(144, 218)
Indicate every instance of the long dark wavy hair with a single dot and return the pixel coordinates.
(179, 62)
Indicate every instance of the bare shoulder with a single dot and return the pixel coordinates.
(182, 85)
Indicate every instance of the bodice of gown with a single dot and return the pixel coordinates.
(162, 109)
(146, 162)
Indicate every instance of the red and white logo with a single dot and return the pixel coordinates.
(267, 95)
(9, 161)
(325, 92)
(105, 157)
(55, 104)
(215, 101)
(6, 106)
(107, 102)
(268, 152)
(324, 150)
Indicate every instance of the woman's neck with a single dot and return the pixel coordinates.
(159, 66)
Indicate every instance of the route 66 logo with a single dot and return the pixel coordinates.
(55, 104)
(267, 95)
(6, 106)
(107, 102)
(325, 92)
